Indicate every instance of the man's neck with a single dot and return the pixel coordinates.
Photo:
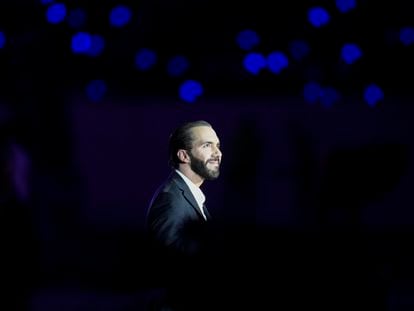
(191, 175)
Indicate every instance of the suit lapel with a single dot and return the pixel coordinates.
(187, 193)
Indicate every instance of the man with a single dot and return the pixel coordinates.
(177, 219)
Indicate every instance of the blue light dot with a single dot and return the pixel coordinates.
(407, 35)
(190, 90)
(97, 46)
(120, 16)
(345, 6)
(81, 42)
(2, 39)
(145, 59)
(177, 66)
(373, 94)
(329, 96)
(299, 49)
(96, 89)
(277, 61)
(318, 16)
(350, 53)
(56, 13)
(312, 92)
(254, 62)
(247, 39)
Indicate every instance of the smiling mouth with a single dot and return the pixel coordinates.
(214, 162)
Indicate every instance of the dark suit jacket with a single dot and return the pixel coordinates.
(174, 221)
(180, 240)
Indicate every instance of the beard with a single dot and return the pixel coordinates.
(201, 169)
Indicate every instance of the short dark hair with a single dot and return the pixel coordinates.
(181, 138)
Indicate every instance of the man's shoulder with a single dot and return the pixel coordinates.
(169, 187)
(172, 183)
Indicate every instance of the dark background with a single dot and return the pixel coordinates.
(308, 194)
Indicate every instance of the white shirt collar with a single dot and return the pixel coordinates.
(196, 191)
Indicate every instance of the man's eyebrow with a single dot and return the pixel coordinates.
(208, 141)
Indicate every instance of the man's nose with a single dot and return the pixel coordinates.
(217, 151)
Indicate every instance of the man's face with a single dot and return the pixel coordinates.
(205, 154)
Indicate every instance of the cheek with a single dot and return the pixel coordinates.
(203, 154)
(207, 155)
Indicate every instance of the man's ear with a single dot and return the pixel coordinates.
(183, 156)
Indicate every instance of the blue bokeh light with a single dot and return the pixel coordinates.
(407, 35)
(254, 62)
(277, 61)
(318, 16)
(120, 16)
(177, 65)
(350, 53)
(190, 90)
(96, 89)
(311, 92)
(2, 39)
(329, 96)
(81, 42)
(299, 49)
(46, 2)
(97, 45)
(56, 13)
(145, 59)
(373, 94)
(345, 6)
(247, 39)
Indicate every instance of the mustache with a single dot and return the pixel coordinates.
(214, 159)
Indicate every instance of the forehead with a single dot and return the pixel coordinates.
(204, 133)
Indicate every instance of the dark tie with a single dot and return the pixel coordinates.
(208, 216)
